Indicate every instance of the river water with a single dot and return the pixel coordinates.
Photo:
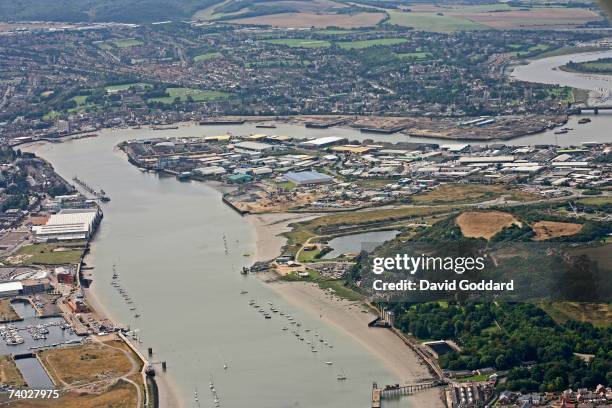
(168, 241)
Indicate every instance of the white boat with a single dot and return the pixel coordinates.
(329, 362)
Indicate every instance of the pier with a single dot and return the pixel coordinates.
(396, 390)
(100, 195)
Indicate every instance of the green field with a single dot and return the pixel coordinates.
(197, 95)
(47, 254)
(124, 43)
(207, 56)
(432, 22)
(351, 45)
(419, 56)
(300, 42)
(52, 115)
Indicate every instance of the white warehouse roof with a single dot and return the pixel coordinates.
(10, 287)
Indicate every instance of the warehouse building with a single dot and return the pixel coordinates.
(8, 289)
(253, 147)
(69, 224)
(324, 142)
(304, 178)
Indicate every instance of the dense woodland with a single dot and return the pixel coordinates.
(521, 338)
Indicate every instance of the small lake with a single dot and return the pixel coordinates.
(357, 242)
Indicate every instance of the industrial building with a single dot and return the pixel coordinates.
(253, 147)
(303, 178)
(8, 289)
(69, 224)
(324, 142)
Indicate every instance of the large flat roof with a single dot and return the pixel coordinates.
(307, 176)
(10, 286)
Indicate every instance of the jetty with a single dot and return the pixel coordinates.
(100, 195)
(396, 390)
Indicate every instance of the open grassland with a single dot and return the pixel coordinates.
(207, 56)
(377, 215)
(183, 94)
(47, 254)
(417, 55)
(432, 22)
(310, 19)
(9, 373)
(599, 314)
(7, 313)
(300, 43)
(596, 201)
(550, 229)
(484, 224)
(119, 395)
(468, 193)
(86, 364)
(350, 45)
(125, 43)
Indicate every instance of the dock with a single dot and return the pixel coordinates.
(396, 390)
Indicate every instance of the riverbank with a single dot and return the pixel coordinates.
(352, 318)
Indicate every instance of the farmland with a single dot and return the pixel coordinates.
(484, 224)
(550, 229)
(306, 20)
(432, 22)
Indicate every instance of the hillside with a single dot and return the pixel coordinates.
(126, 11)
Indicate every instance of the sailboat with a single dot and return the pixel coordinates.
(341, 376)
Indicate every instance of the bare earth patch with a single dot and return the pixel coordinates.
(314, 20)
(485, 224)
(550, 229)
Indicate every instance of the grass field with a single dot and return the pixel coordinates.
(350, 45)
(300, 43)
(418, 55)
(9, 373)
(85, 364)
(484, 224)
(125, 43)
(183, 94)
(599, 314)
(432, 22)
(47, 254)
(119, 395)
(7, 313)
(207, 56)
(596, 201)
(550, 229)
(465, 193)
